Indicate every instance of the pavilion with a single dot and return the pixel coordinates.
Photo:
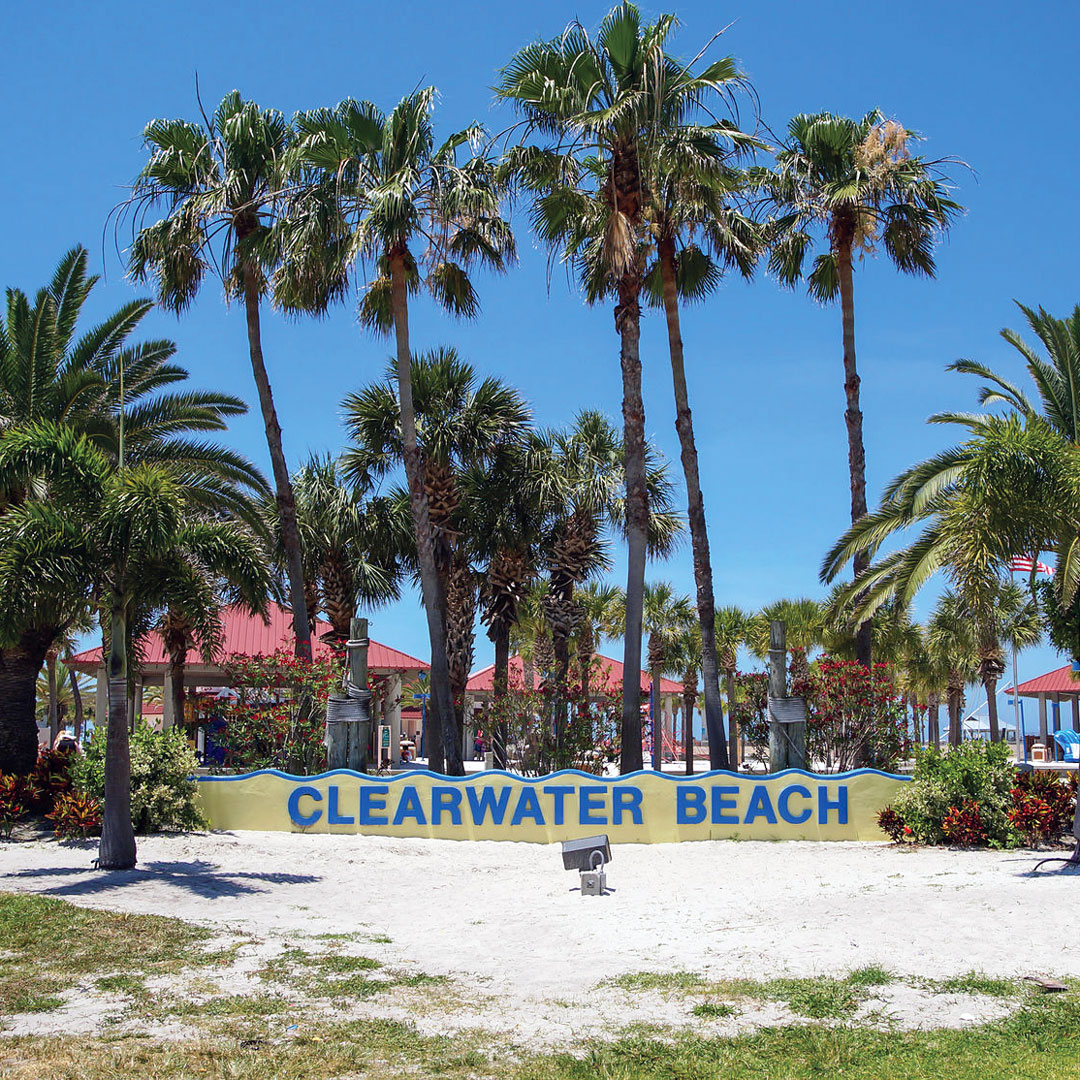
(247, 635)
(1057, 686)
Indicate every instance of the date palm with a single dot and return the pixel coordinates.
(54, 369)
(857, 183)
(220, 185)
(126, 536)
(596, 99)
(460, 421)
(422, 217)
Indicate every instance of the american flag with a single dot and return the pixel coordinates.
(1021, 564)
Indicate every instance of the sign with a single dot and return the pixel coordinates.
(639, 808)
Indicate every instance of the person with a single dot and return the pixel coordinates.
(478, 746)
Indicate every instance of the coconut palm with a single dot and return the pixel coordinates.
(732, 625)
(597, 100)
(121, 395)
(461, 422)
(857, 182)
(422, 217)
(220, 185)
(127, 536)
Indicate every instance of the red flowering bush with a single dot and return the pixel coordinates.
(76, 815)
(1042, 807)
(14, 801)
(892, 825)
(963, 825)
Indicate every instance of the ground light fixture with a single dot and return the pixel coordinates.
(588, 855)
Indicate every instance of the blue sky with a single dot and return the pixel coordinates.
(989, 83)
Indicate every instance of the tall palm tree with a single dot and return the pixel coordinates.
(121, 395)
(666, 615)
(422, 217)
(460, 421)
(220, 184)
(596, 99)
(126, 536)
(857, 182)
(732, 626)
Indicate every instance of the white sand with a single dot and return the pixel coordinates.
(506, 923)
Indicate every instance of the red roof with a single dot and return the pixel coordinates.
(248, 635)
(609, 676)
(1062, 681)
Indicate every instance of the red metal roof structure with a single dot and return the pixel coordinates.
(608, 677)
(1058, 685)
(248, 635)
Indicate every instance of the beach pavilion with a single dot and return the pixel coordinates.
(1051, 691)
(607, 678)
(246, 635)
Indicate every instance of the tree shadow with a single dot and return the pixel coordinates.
(198, 877)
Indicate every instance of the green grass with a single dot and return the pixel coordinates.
(659, 980)
(871, 976)
(714, 1010)
(975, 982)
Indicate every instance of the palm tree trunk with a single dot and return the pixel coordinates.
(990, 685)
(76, 696)
(955, 696)
(117, 848)
(688, 728)
(933, 719)
(656, 715)
(736, 748)
(628, 323)
(441, 753)
(54, 709)
(20, 665)
(460, 640)
(854, 420)
(286, 503)
(500, 631)
(699, 536)
(177, 674)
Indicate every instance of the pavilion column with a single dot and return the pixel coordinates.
(393, 701)
(168, 713)
(1043, 737)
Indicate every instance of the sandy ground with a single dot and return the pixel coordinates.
(528, 952)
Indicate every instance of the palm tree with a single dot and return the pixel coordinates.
(666, 616)
(221, 185)
(422, 218)
(598, 605)
(806, 623)
(121, 396)
(597, 100)
(684, 659)
(460, 421)
(856, 181)
(126, 535)
(732, 626)
(951, 643)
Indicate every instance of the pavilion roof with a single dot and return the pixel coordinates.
(609, 676)
(248, 635)
(1062, 682)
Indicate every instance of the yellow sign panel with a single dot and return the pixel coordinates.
(639, 808)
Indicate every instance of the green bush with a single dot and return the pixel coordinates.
(162, 789)
(979, 773)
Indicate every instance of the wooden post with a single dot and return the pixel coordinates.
(359, 734)
(777, 689)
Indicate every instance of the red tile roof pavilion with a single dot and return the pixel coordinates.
(609, 676)
(1063, 684)
(248, 635)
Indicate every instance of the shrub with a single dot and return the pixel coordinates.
(893, 825)
(976, 774)
(50, 779)
(76, 815)
(1042, 807)
(14, 801)
(162, 788)
(963, 825)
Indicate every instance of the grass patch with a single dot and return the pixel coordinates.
(125, 984)
(664, 981)
(47, 946)
(714, 1010)
(975, 982)
(873, 975)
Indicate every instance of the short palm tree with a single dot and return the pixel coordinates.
(460, 421)
(221, 185)
(732, 625)
(951, 643)
(597, 100)
(422, 217)
(599, 604)
(684, 660)
(805, 621)
(857, 182)
(126, 536)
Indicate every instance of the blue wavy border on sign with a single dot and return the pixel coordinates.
(491, 773)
